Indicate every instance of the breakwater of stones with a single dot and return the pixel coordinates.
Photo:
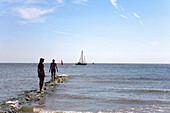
(26, 98)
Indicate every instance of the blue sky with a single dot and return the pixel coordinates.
(109, 31)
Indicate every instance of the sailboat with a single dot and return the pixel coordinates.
(61, 62)
(82, 60)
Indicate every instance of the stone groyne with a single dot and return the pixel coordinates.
(21, 102)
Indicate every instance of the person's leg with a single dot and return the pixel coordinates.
(51, 75)
(41, 82)
(54, 75)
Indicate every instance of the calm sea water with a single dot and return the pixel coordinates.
(95, 88)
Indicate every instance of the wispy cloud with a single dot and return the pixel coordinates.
(141, 22)
(25, 1)
(11, 1)
(123, 16)
(60, 1)
(31, 12)
(114, 3)
(36, 20)
(136, 15)
(139, 18)
(80, 2)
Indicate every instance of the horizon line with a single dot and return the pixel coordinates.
(90, 63)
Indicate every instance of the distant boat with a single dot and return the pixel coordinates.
(82, 60)
(61, 62)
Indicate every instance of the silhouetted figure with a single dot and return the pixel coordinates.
(53, 67)
(41, 73)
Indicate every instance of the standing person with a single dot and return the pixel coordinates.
(41, 73)
(53, 67)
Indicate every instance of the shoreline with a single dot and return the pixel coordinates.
(26, 98)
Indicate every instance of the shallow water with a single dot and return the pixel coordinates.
(94, 88)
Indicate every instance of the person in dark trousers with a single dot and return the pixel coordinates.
(53, 67)
(41, 73)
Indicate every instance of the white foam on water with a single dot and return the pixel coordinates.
(63, 75)
(39, 110)
(12, 102)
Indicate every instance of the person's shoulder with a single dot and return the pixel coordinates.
(39, 65)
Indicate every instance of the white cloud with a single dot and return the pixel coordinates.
(123, 16)
(25, 1)
(11, 1)
(60, 1)
(35, 2)
(81, 2)
(141, 23)
(36, 20)
(122, 12)
(32, 12)
(122, 9)
(114, 3)
(137, 16)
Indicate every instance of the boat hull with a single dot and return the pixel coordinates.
(81, 63)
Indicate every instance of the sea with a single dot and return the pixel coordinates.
(98, 88)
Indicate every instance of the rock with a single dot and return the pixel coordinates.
(27, 99)
(33, 90)
(27, 109)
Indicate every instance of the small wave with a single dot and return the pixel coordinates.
(144, 109)
(129, 101)
(115, 82)
(70, 96)
(144, 90)
(152, 91)
(145, 78)
(39, 110)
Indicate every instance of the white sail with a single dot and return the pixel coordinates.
(81, 58)
(84, 60)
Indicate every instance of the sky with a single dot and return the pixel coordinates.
(108, 31)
